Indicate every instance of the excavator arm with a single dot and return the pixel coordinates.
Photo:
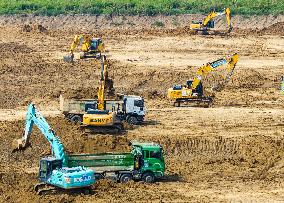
(75, 43)
(228, 17)
(209, 17)
(232, 61)
(33, 117)
(101, 90)
(207, 68)
(85, 40)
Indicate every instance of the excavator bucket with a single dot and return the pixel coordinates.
(230, 29)
(18, 144)
(68, 58)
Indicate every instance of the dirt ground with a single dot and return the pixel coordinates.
(231, 152)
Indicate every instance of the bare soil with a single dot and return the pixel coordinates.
(231, 152)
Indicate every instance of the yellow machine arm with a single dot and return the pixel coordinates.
(214, 14)
(228, 17)
(84, 39)
(207, 68)
(101, 90)
(209, 17)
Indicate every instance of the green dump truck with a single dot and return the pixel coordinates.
(145, 162)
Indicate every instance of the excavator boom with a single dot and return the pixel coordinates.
(33, 117)
(209, 17)
(101, 91)
(207, 68)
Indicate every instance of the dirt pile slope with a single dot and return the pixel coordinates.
(277, 28)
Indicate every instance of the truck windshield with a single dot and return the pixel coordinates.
(155, 154)
(139, 103)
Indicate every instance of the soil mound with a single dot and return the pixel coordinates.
(275, 29)
(34, 28)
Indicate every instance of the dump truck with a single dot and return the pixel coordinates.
(129, 108)
(145, 162)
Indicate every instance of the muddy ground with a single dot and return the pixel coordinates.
(231, 152)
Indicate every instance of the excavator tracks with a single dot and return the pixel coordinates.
(43, 188)
(115, 129)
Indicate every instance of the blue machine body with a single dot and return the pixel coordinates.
(53, 170)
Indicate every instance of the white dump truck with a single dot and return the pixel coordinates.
(128, 108)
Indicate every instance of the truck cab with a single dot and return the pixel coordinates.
(51, 171)
(134, 108)
(149, 161)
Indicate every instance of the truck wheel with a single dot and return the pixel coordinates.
(148, 177)
(132, 120)
(76, 119)
(125, 178)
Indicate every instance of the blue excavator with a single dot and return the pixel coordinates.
(53, 170)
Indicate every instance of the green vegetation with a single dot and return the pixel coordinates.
(139, 7)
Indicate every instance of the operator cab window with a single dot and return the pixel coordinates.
(43, 166)
(56, 165)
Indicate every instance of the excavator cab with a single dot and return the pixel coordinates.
(95, 43)
(210, 24)
(198, 89)
(46, 166)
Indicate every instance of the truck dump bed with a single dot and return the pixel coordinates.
(105, 162)
(80, 106)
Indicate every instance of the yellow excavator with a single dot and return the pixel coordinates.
(192, 92)
(91, 47)
(208, 21)
(100, 119)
